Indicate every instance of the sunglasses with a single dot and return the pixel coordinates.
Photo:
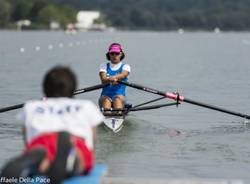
(114, 53)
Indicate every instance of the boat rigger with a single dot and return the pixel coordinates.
(115, 118)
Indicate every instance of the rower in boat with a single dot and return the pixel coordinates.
(113, 97)
(59, 132)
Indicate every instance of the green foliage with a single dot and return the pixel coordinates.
(21, 9)
(40, 12)
(5, 13)
(48, 14)
(171, 14)
(38, 5)
(61, 14)
(134, 14)
(68, 15)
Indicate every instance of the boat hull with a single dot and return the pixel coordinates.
(114, 123)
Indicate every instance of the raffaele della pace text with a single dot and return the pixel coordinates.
(37, 179)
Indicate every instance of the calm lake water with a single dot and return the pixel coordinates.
(173, 143)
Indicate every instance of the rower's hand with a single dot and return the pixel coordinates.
(113, 80)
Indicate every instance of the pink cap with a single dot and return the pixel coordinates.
(115, 48)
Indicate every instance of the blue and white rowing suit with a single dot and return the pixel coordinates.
(111, 70)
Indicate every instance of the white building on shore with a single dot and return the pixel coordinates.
(86, 21)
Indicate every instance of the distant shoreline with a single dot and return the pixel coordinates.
(134, 31)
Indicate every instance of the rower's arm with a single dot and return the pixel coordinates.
(113, 79)
(122, 75)
(104, 77)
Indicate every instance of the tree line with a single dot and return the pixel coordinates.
(39, 12)
(131, 14)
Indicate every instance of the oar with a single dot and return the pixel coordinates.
(77, 92)
(177, 97)
(5, 109)
(91, 88)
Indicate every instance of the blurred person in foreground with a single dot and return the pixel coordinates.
(59, 132)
